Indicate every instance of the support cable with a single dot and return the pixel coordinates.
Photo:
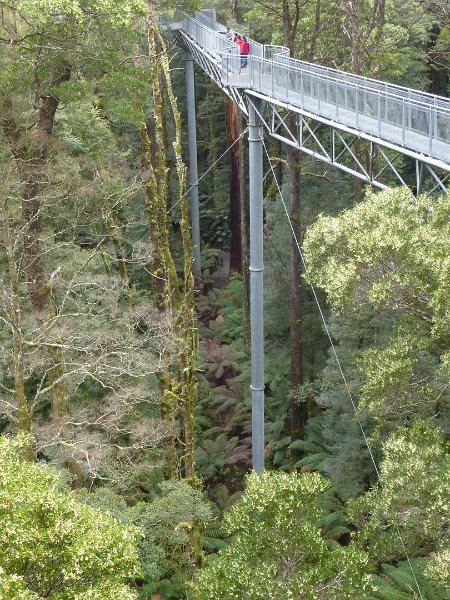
(344, 379)
(241, 135)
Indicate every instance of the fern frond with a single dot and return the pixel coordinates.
(313, 460)
(306, 446)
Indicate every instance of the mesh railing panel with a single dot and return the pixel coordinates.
(402, 119)
(367, 82)
(212, 41)
(410, 118)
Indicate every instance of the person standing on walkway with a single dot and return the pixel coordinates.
(229, 35)
(240, 42)
(245, 51)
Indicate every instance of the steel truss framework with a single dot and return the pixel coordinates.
(326, 140)
(343, 148)
(318, 136)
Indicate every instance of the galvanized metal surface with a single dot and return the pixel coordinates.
(410, 119)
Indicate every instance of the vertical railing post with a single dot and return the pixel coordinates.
(286, 69)
(430, 131)
(193, 171)
(435, 126)
(318, 93)
(302, 99)
(409, 113)
(379, 113)
(256, 281)
(403, 122)
(336, 98)
(273, 73)
(386, 104)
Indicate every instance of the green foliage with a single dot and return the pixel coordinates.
(313, 446)
(394, 50)
(405, 582)
(165, 524)
(438, 568)
(213, 538)
(384, 266)
(86, 35)
(228, 327)
(408, 513)
(13, 587)
(277, 550)
(390, 250)
(53, 546)
(214, 223)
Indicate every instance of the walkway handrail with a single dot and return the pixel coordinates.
(368, 82)
(360, 83)
(350, 103)
(267, 51)
(271, 52)
(212, 41)
(412, 119)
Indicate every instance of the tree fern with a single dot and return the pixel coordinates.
(307, 446)
(213, 538)
(313, 446)
(312, 460)
(399, 583)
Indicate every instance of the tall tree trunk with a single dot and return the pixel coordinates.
(310, 55)
(24, 420)
(361, 43)
(186, 322)
(164, 279)
(299, 414)
(180, 388)
(233, 9)
(32, 161)
(187, 331)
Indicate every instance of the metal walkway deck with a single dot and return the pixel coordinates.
(333, 109)
(334, 116)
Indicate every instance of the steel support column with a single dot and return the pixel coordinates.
(256, 283)
(193, 171)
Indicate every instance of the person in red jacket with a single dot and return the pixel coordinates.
(239, 42)
(245, 51)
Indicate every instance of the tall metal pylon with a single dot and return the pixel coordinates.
(255, 150)
(332, 111)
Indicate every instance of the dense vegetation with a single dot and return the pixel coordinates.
(124, 382)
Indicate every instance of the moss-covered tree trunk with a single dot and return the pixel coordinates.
(179, 383)
(21, 401)
(31, 150)
(164, 282)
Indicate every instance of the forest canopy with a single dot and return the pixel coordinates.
(125, 402)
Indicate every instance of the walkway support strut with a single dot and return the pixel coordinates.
(193, 170)
(256, 281)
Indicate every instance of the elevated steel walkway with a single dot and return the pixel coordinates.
(332, 109)
(334, 116)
